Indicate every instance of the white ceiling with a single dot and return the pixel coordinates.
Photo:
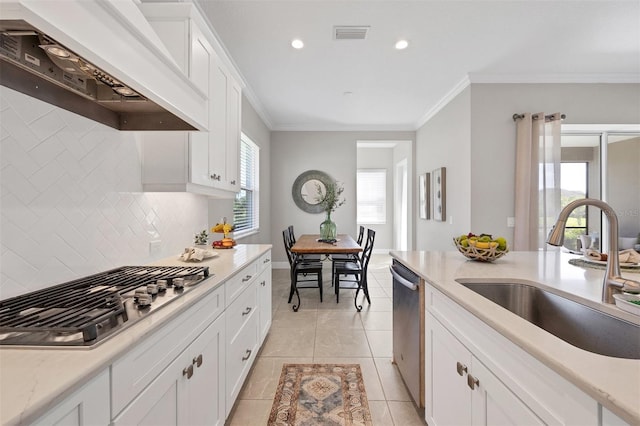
(451, 43)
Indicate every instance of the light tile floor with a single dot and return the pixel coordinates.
(331, 332)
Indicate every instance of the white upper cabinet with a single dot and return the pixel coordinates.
(200, 162)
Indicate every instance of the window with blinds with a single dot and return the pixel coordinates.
(372, 196)
(245, 206)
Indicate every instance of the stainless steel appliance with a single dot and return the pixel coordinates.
(86, 311)
(408, 329)
(35, 64)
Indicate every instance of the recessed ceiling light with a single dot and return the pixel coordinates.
(297, 44)
(402, 44)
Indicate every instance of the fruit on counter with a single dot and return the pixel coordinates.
(482, 241)
(228, 242)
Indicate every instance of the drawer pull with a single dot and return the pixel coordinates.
(198, 360)
(472, 382)
(248, 354)
(247, 278)
(247, 311)
(263, 283)
(461, 368)
(266, 261)
(188, 371)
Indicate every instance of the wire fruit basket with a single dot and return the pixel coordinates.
(480, 254)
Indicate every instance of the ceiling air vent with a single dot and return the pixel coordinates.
(350, 32)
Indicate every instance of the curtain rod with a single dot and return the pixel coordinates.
(535, 117)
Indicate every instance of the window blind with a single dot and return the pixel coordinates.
(372, 196)
(246, 206)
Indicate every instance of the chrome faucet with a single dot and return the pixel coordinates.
(613, 281)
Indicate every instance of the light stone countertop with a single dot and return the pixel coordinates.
(613, 382)
(34, 380)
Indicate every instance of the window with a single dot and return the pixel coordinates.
(245, 208)
(573, 185)
(372, 196)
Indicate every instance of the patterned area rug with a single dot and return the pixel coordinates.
(320, 394)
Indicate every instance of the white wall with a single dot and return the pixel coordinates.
(332, 152)
(474, 137)
(444, 141)
(259, 133)
(71, 200)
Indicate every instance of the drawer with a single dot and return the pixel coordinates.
(236, 284)
(142, 364)
(264, 261)
(240, 312)
(241, 353)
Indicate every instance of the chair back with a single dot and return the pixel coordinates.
(368, 250)
(286, 238)
(292, 235)
(360, 235)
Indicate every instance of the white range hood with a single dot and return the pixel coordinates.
(110, 39)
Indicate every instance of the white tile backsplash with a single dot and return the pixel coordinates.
(71, 199)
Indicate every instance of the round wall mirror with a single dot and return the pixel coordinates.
(305, 190)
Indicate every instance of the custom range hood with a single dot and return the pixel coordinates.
(84, 68)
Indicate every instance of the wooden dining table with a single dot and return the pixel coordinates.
(311, 244)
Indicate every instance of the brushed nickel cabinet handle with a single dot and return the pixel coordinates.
(198, 360)
(247, 311)
(247, 278)
(461, 368)
(188, 371)
(246, 357)
(472, 382)
(263, 283)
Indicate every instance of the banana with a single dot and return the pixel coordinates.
(485, 245)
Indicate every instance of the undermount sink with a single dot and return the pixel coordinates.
(576, 324)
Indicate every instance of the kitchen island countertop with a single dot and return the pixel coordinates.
(613, 382)
(33, 380)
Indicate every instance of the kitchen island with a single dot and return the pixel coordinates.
(35, 380)
(612, 382)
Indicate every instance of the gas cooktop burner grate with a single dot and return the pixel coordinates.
(86, 310)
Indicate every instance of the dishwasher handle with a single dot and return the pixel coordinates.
(402, 280)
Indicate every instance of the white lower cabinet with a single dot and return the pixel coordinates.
(242, 341)
(467, 392)
(476, 376)
(189, 391)
(263, 283)
(87, 406)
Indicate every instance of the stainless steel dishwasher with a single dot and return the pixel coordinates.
(408, 329)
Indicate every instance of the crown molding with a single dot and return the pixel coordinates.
(581, 78)
(333, 127)
(448, 97)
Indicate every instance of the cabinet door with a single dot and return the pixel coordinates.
(205, 402)
(159, 403)
(232, 160)
(494, 404)
(202, 63)
(87, 406)
(264, 303)
(185, 393)
(448, 397)
(218, 125)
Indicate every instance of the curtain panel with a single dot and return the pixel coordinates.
(537, 183)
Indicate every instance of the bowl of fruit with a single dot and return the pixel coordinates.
(483, 247)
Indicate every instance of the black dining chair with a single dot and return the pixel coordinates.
(353, 274)
(346, 257)
(309, 257)
(303, 271)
